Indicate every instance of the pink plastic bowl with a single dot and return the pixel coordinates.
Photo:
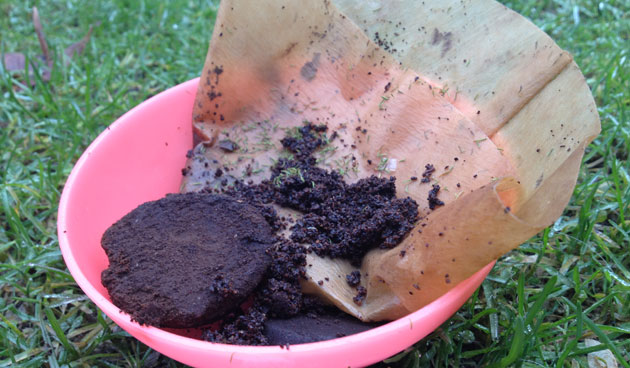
(139, 158)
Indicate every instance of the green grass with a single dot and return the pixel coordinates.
(540, 302)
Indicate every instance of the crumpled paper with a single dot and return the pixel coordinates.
(472, 88)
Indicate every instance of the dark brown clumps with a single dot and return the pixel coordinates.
(426, 175)
(361, 295)
(240, 329)
(346, 221)
(222, 287)
(340, 220)
(281, 292)
(384, 43)
(279, 296)
(354, 278)
(433, 199)
(310, 139)
(228, 145)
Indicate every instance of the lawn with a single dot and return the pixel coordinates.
(543, 305)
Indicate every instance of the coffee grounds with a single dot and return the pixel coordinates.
(426, 175)
(315, 322)
(311, 328)
(354, 278)
(308, 139)
(361, 295)
(279, 295)
(186, 259)
(340, 220)
(356, 218)
(240, 329)
(281, 292)
(433, 199)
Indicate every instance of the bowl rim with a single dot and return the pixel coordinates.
(453, 299)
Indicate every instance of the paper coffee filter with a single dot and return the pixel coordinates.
(498, 68)
(471, 87)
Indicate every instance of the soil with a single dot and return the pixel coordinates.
(186, 259)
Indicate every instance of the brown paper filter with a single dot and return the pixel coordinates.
(500, 111)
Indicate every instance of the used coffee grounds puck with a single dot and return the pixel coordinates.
(184, 260)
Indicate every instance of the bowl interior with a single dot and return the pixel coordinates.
(139, 158)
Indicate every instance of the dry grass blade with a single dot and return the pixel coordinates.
(77, 47)
(41, 37)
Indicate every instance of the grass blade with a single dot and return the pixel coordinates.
(606, 341)
(54, 323)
